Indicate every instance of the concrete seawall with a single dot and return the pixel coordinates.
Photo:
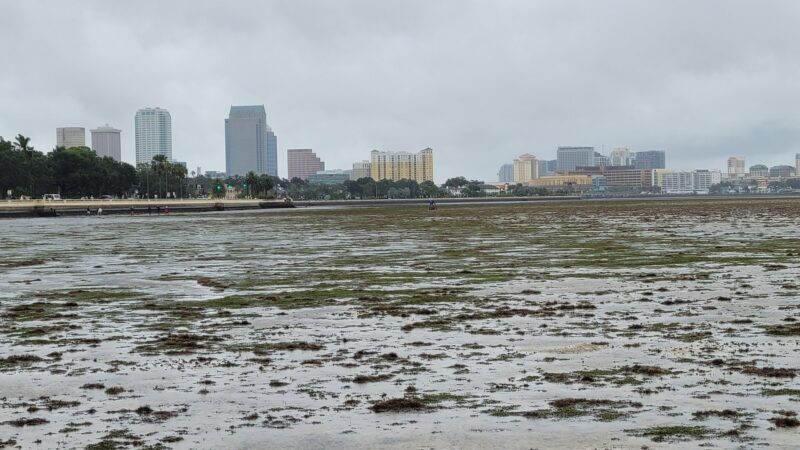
(54, 208)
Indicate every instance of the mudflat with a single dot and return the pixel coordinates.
(574, 325)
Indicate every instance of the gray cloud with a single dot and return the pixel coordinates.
(478, 81)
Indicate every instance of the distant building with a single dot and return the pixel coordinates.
(69, 137)
(402, 165)
(685, 181)
(759, 171)
(578, 183)
(568, 158)
(544, 168)
(619, 178)
(704, 179)
(214, 174)
(506, 173)
(797, 163)
(526, 168)
(735, 167)
(272, 152)
(361, 170)
(781, 171)
(247, 137)
(599, 183)
(620, 156)
(649, 160)
(153, 133)
(601, 160)
(106, 142)
(336, 176)
(302, 162)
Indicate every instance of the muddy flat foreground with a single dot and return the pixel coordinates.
(667, 324)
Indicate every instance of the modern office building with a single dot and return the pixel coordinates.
(402, 165)
(736, 167)
(650, 160)
(250, 145)
(601, 159)
(302, 162)
(153, 134)
(759, 171)
(620, 156)
(335, 176)
(106, 142)
(214, 174)
(506, 173)
(272, 153)
(568, 158)
(545, 168)
(69, 137)
(361, 170)
(781, 171)
(526, 168)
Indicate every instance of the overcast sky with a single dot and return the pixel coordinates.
(478, 81)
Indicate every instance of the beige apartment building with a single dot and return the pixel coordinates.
(402, 165)
(362, 169)
(577, 182)
(69, 137)
(526, 168)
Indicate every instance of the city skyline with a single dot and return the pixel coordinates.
(492, 82)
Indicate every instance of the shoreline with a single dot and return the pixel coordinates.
(58, 208)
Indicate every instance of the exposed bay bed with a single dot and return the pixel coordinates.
(600, 324)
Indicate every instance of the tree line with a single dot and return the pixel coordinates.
(79, 172)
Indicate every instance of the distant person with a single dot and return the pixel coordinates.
(149, 210)
(88, 211)
(99, 211)
(166, 209)
(131, 210)
(158, 210)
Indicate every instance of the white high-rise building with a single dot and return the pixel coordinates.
(621, 156)
(106, 142)
(69, 137)
(153, 134)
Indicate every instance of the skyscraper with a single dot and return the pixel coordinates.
(653, 159)
(153, 134)
(250, 144)
(302, 162)
(735, 167)
(402, 165)
(272, 152)
(571, 157)
(797, 163)
(620, 156)
(506, 173)
(69, 137)
(106, 142)
(526, 168)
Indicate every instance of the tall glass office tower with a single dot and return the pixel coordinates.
(153, 134)
(250, 144)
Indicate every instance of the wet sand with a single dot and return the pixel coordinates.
(593, 325)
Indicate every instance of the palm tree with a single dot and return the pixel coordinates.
(160, 166)
(22, 144)
(252, 182)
